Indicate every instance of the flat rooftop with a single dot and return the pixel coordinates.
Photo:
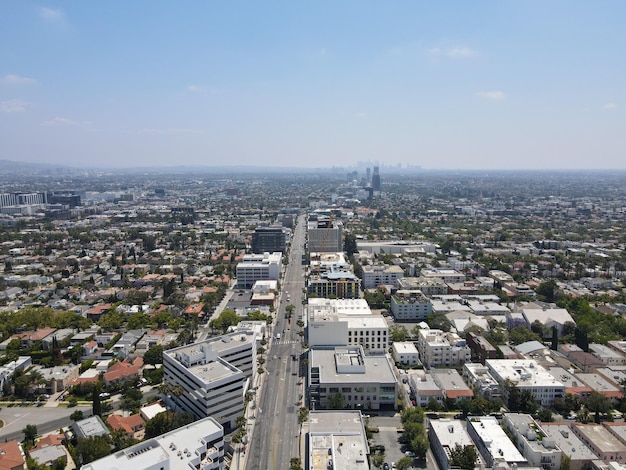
(495, 439)
(600, 437)
(377, 368)
(337, 438)
(568, 442)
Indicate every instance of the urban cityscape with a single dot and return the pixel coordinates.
(344, 318)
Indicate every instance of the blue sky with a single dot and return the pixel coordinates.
(458, 84)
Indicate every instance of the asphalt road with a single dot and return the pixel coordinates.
(46, 419)
(276, 434)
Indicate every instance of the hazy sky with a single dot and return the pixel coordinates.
(455, 84)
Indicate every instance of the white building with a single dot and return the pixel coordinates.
(440, 349)
(428, 286)
(492, 442)
(548, 317)
(346, 322)
(445, 274)
(197, 445)
(477, 376)
(405, 353)
(374, 276)
(363, 382)
(213, 376)
(410, 305)
(445, 435)
(424, 387)
(526, 374)
(337, 439)
(258, 267)
(536, 447)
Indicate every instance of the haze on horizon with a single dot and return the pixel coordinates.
(460, 85)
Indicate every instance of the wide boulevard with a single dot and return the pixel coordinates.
(276, 437)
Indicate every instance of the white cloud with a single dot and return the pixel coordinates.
(13, 79)
(62, 122)
(459, 52)
(168, 130)
(491, 95)
(12, 106)
(196, 89)
(610, 106)
(52, 15)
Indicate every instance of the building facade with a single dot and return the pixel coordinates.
(259, 267)
(210, 378)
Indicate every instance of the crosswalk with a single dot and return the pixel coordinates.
(286, 341)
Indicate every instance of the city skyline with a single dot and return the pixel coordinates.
(456, 86)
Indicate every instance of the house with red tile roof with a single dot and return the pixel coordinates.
(133, 425)
(11, 456)
(120, 371)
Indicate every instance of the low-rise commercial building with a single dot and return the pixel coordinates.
(602, 442)
(346, 376)
(580, 456)
(337, 439)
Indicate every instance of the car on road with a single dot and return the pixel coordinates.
(386, 466)
(459, 416)
(409, 453)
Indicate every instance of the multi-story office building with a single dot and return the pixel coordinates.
(324, 234)
(346, 376)
(210, 378)
(342, 322)
(526, 374)
(531, 440)
(410, 305)
(440, 349)
(196, 445)
(258, 267)
(374, 276)
(268, 240)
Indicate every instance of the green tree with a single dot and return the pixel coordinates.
(226, 319)
(398, 333)
(463, 457)
(92, 448)
(378, 460)
(336, 401)
(598, 403)
(154, 355)
(95, 397)
(405, 463)
(30, 434)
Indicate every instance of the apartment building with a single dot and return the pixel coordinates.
(477, 376)
(428, 286)
(531, 440)
(526, 374)
(410, 305)
(444, 435)
(210, 378)
(405, 353)
(374, 276)
(494, 445)
(440, 349)
(196, 445)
